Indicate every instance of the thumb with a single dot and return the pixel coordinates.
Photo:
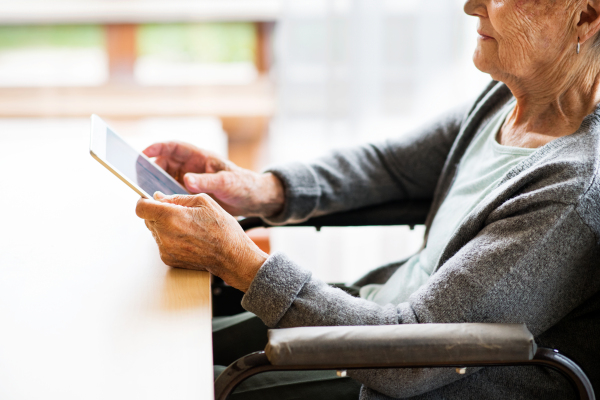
(183, 200)
(203, 183)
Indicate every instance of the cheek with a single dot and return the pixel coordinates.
(531, 28)
(524, 42)
(515, 28)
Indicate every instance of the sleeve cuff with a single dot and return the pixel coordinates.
(406, 314)
(274, 289)
(302, 192)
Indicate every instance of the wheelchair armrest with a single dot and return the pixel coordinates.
(404, 212)
(397, 345)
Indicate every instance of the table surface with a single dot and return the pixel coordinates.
(88, 310)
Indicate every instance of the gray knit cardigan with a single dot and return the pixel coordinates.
(528, 253)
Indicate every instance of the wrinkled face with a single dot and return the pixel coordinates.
(523, 39)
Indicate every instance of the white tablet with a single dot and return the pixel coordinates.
(129, 165)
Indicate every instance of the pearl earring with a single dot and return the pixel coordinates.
(578, 46)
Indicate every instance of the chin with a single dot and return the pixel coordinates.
(482, 62)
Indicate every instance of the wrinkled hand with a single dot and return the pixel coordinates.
(239, 191)
(194, 232)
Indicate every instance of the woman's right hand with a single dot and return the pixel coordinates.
(239, 191)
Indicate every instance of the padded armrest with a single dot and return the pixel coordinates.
(405, 212)
(397, 345)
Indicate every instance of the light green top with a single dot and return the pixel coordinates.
(482, 167)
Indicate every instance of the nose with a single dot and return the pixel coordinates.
(475, 8)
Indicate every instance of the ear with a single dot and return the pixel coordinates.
(589, 20)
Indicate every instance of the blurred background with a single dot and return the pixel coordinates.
(259, 81)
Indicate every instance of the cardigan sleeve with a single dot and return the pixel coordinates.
(530, 263)
(403, 168)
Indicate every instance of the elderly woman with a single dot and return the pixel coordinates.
(513, 235)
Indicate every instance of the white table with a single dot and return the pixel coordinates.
(87, 309)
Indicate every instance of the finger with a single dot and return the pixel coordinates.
(171, 261)
(151, 210)
(149, 225)
(152, 229)
(156, 238)
(177, 151)
(153, 150)
(162, 162)
(216, 164)
(199, 200)
(204, 183)
(173, 169)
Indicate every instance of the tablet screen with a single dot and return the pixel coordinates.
(137, 168)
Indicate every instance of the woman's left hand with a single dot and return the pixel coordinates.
(194, 232)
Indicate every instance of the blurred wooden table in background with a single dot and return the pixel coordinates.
(245, 110)
(88, 310)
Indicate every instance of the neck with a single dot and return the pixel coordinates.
(545, 112)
